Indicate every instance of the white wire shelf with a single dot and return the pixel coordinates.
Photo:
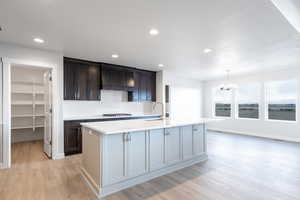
(28, 103)
(23, 116)
(27, 127)
(27, 83)
(28, 92)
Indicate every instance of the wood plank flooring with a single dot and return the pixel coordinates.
(239, 168)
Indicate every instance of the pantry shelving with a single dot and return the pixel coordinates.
(27, 105)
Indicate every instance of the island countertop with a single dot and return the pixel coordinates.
(115, 127)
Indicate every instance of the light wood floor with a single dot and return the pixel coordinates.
(239, 167)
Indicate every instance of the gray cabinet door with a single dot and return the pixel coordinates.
(173, 147)
(136, 160)
(198, 139)
(114, 158)
(187, 142)
(156, 149)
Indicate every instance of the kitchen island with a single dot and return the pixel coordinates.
(120, 154)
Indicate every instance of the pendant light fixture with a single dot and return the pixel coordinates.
(227, 86)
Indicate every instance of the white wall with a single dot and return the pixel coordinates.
(55, 60)
(261, 127)
(111, 102)
(185, 96)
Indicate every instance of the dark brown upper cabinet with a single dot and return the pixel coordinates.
(145, 87)
(129, 82)
(115, 77)
(82, 80)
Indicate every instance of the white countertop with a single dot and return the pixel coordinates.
(87, 117)
(114, 127)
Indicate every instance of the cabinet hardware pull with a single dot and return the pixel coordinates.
(127, 137)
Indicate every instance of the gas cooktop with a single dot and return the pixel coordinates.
(116, 114)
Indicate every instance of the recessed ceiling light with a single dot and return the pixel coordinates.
(153, 32)
(38, 40)
(1, 28)
(160, 65)
(115, 56)
(207, 50)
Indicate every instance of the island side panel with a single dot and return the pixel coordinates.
(91, 158)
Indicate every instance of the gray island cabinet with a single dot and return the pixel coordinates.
(120, 154)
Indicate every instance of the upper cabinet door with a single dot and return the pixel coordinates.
(94, 82)
(129, 82)
(82, 80)
(134, 94)
(144, 87)
(70, 82)
(113, 77)
(151, 86)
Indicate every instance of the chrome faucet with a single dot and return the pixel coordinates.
(162, 107)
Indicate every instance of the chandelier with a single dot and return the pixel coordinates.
(227, 86)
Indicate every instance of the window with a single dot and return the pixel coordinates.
(281, 100)
(222, 103)
(248, 98)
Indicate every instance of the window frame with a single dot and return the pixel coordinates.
(259, 103)
(214, 102)
(267, 99)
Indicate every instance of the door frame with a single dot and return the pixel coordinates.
(7, 64)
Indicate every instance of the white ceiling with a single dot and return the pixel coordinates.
(245, 35)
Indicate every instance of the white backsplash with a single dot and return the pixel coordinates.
(111, 102)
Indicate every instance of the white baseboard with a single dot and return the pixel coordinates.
(288, 139)
(58, 156)
(3, 166)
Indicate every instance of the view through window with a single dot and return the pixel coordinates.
(222, 103)
(248, 98)
(281, 100)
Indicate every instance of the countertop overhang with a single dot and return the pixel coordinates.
(115, 127)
